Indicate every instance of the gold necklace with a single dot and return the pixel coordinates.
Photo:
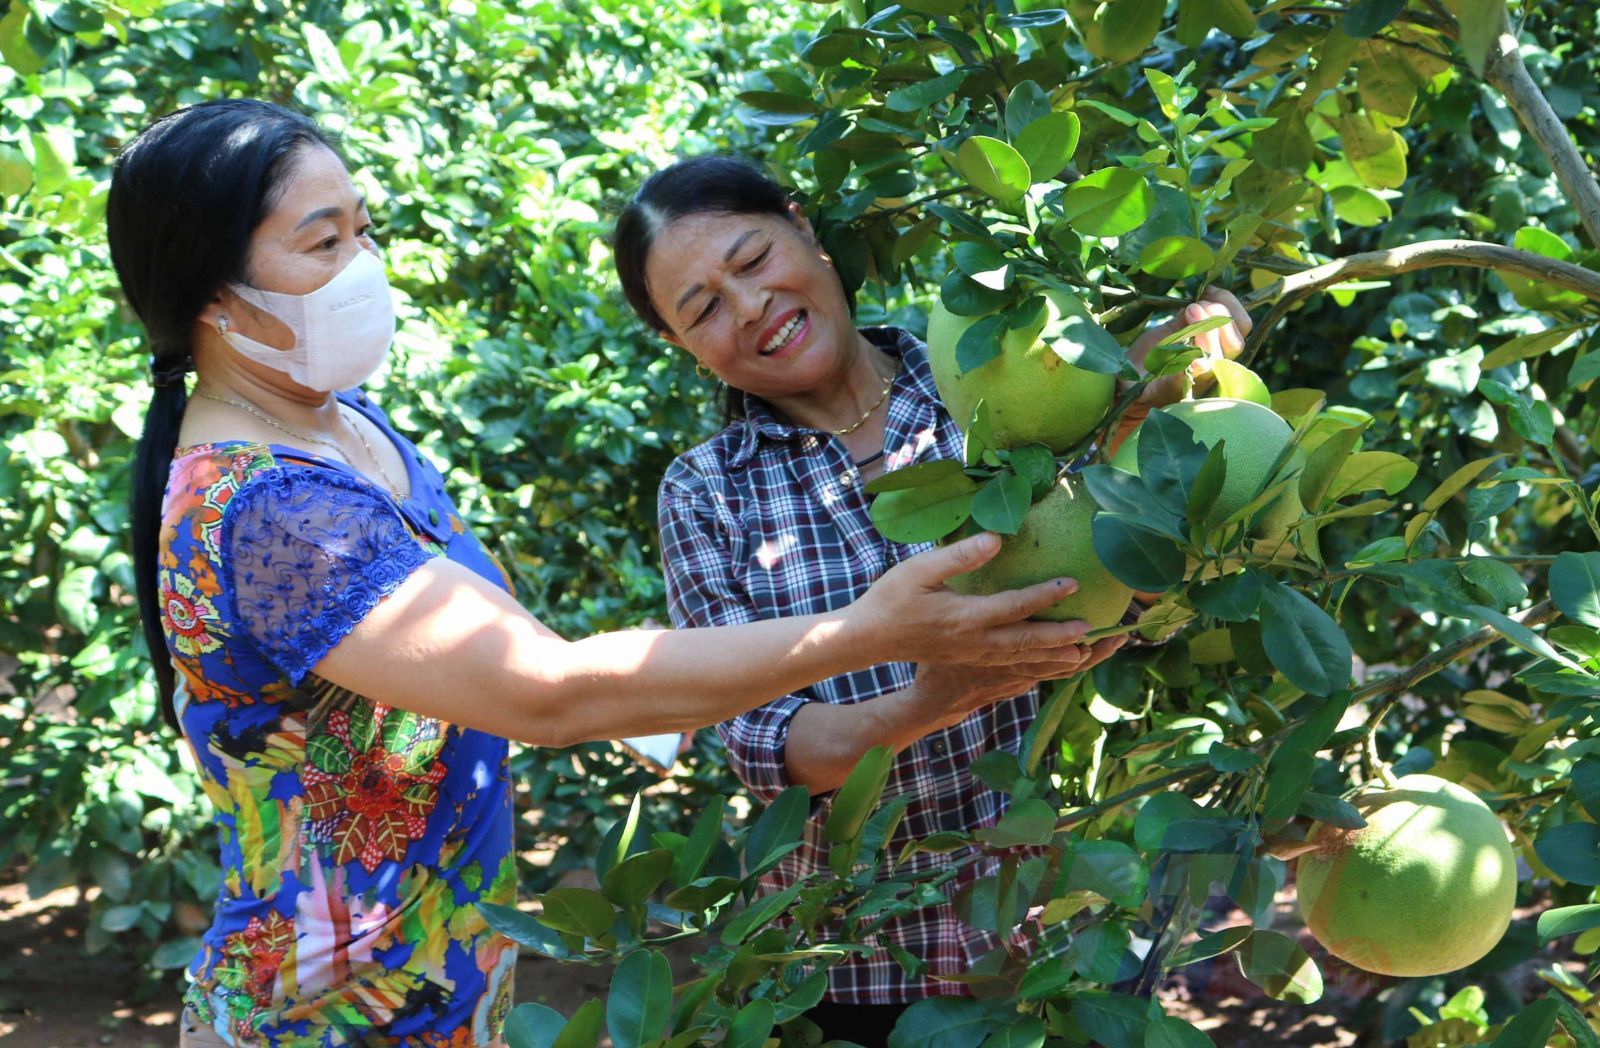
(862, 421)
(344, 456)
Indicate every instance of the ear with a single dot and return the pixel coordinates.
(217, 308)
(801, 222)
(672, 339)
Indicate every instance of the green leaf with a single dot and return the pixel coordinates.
(1520, 635)
(16, 171)
(914, 476)
(919, 96)
(752, 1025)
(1534, 1024)
(1238, 382)
(702, 894)
(1138, 558)
(577, 911)
(1176, 257)
(994, 168)
(779, 102)
(634, 879)
(1027, 1032)
(583, 1029)
(1208, 483)
(1278, 965)
(691, 857)
(639, 1004)
(1586, 784)
(1110, 869)
(1170, 460)
(1526, 347)
(1026, 103)
(18, 53)
(1576, 1024)
(925, 513)
(943, 1022)
(1334, 811)
(1378, 155)
(1480, 25)
(1366, 17)
(75, 598)
(1207, 946)
(1233, 599)
(1108, 203)
(760, 912)
(1572, 851)
(859, 795)
(532, 1025)
(1027, 822)
(1001, 503)
(1116, 1020)
(523, 929)
(980, 343)
(777, 832)
(175, 953)
(1360, 206)
(1036, 464)
(1533, 293)
(1169, 1031)
(1084, 344)
(1372, 470)
(965, 297)
(1575, 588)
(1567, 920)
(1160, 812)
(1046, 145)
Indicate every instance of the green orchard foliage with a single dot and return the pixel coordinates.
(1432, 609)
(491, 145)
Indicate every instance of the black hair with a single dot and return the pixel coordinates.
(716, 185)
(186, 195)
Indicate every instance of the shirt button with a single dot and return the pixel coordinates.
(940, 747)
(419, 458)
(849, 477)
(433, 517)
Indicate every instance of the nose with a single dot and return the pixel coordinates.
(749, 301)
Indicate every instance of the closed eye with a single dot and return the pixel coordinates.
(755, 263)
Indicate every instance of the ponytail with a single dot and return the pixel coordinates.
(151, 463)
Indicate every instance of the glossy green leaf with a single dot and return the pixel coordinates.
(1001, 503)
(1572, 851)
(859, 795)
(994, 168)
(1176, 257)
(751, 1026)
(925, 513)
(691, 857)
(1046, 145)
(1108, 868)
(634, 879)
(1108, 203)
(919, 96)
(1145, 561)
(777, 832)
(639, 1005)
(1575, 587)
(1530, 1027)
(914, 476)
(533, 1025)
(577, 911)
(1028, 822)
(1567, 920)
(1278, 965)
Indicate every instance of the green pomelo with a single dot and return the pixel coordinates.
(1426, 887)
(1034, 396)
(1255, 437)
(1055, 541)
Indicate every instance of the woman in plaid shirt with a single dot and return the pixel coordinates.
(769, 519)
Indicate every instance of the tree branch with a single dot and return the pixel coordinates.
(1395, 683)
(1426, 254)
(1508, 74)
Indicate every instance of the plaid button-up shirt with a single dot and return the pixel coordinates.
(768, 520)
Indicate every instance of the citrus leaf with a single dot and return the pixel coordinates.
(1567, 920)
(1575, 587)
(639, 1004)
(925, 513)
(1278, 965)
(1108, 203)
(1046, 145)
(994, 168)
(913, 97)
(1002, 503)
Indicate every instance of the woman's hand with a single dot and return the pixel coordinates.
(909, 615)
(949, 693)
(1221, 343)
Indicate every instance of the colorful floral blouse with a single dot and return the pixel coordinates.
(356, 839)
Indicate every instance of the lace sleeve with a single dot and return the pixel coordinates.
(307, 553)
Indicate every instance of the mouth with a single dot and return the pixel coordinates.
(786, 335)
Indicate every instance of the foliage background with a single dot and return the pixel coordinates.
(492, 139)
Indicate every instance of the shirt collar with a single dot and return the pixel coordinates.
(913, 381)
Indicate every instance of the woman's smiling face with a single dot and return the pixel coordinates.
(751, 297)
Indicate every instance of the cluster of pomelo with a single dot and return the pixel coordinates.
(1427, 886)
(1034, 396)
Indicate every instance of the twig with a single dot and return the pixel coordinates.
(1426, 254)
(1396, 683)
(1508, 74)
(1094, 811)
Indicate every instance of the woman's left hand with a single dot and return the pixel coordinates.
(1221, 343)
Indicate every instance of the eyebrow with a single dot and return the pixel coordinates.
(733, 249)
(328, 212)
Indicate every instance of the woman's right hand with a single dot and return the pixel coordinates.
(948, 694)
(909, 615)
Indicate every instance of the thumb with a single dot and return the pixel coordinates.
(937, 566)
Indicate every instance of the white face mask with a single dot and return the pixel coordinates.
(342, 330)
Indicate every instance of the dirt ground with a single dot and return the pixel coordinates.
(54, 995)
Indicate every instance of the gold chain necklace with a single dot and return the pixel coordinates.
(344, 456)
(862, 421)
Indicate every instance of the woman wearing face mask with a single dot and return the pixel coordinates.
(341, 654)
(769, 518)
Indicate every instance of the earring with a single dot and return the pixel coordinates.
(704, 372)
(827, 259)
(222, 324)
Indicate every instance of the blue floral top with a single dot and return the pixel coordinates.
(356, 839)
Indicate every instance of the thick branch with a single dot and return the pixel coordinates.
(1507, 73)
(1426, 254)
(1472, 643)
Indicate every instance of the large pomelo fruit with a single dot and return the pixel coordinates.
(1255, 437)
(1426, 887)
(1055, 541)
(1034, 396)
